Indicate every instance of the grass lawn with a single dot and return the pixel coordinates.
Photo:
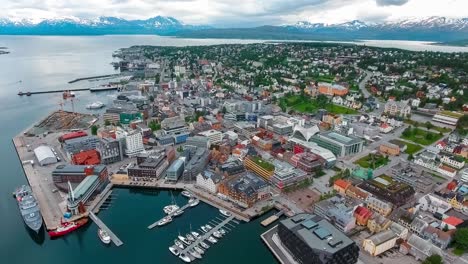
(366, 162)
(410, 147)
(421, 136)
(420, 124)
(458, 251)
(264, 164)
(311, 107)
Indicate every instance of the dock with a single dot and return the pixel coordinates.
(153, 225)
(102, 226)
(272, 219)
(205, 236)
(54, 91)
(101, 198)
(93, 77)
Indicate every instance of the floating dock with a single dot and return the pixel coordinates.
(153, 225)
(272, 219)
(101, 198)
(102, 226)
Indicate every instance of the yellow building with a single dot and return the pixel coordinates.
(379, 243)
(377, 223)
(379, 206)
(262, 168)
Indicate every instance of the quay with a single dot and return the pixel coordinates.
(93, 77)
(272, 219)
(102, 226)
(205, 236)
(54, 91)
(153, 225)
(100, 199)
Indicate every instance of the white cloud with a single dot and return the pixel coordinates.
(233, 13)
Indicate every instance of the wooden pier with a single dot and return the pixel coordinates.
(102, 226)
(272, 218)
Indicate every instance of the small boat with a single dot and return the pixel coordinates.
(195, 234)
(95, 105)
(217, 234)
(222, 231)
(190, 237)
(205, 229)
(28, 94)
(199, 250)
(179, 244)
(212, 240)
(195, 254)
(166, 220)
(187, 194)
(193, 202)
(225, 213)
(105, 238)
(68, 94)
(170, 208)
(208, 227)
(178, 212)
(185, 258)
(20, 93)
(204, 245)
(174, 250)
(184, 240)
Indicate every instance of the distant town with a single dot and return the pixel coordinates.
(357, 153)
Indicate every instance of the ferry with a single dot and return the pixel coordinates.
(199, 250)
(179, 244)
(105, 238)
(204, 245)
(194, 253)
(225, 213)
(195, 234)
(193, 202)
(67, 227)
(166, 220)
(212, 240)
(174, 250)
(184, 240)
(185, 258)
(187, 194)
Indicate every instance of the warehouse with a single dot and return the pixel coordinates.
(45, 155)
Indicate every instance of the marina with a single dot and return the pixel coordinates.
(171, 214)
(102, 226)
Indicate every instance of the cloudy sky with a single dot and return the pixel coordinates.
(243, 13)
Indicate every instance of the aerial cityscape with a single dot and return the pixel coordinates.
(247, 137)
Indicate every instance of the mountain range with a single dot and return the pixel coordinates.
(427, 29)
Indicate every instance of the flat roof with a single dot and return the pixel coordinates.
(84, 185)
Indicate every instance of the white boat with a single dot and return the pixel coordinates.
(195, 234)
(190, 237)
(105, 238)
(195, 254)
(222, 231)
(96, 105)
(166, 220)
(169, 209)
(225, 213)
(212, 240)
(187, 194)
(204, 245)
(104, 87)
(217, 234)
(174, 250)
(193, 202)
(199, 250)
(208, 227)
(185, 258)
(184, 240)
(179, 244)
(178, 212)
(205, 229)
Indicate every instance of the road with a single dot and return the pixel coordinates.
(362, 84)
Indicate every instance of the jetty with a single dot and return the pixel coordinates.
(101, 198)
(272, 218)
(93, 77)
(53, 91)
(153, 225)
(102, 226)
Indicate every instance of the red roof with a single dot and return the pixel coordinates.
(453, 221)
(363, 211)
(73, 135)
(342, 183)
(90, 157)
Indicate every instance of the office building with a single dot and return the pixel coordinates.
(209, 181)
(176, 169)
(133, 142)
(259, 166)
(196, 161)
(339, 211)
(388, 190)
(341, 145)
(149, 166)
(214, 136)
(110, 150)
(245, 190)
(420, 180)
(198, 141)
(63, 174)
(75, 145)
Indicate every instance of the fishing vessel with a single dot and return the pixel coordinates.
(105, 238)
(166, 220)
(193, 202)
(225, 213)
(174, 250)
(67, 227)
(204, 245)
(187, 194)
(29, 208)
(185, 258)
(95, 105)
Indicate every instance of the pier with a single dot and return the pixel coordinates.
(102, 226)
(153, 225)
(206, 235)
(93, 77)
(101, 198)
(53, 91)
(272, 219)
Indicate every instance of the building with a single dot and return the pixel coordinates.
(75, 174)
(75, 145)
(198, 141)
(382, 207)
(110, 150)
(447, 117)
(433, 204)
(82, 193)
(89, 157)
(304, 146)
(341, 185)
(150, 165)
(394, 108)
(379, 243)
(438, 237)
(176, 169)
(214, 136)
(261, 167)
(285, 175)
(389, 149)
(232, 167)
(245, 189)
(362, 215)
(339, 211)
(420, 180)
(420, 248)
(332, 89)
(356, 193)
(209, 181)
(464, 175)
(45, 155)
(341, 145)
(313, 240)
(453, 161)
(196, 161)
(133, 142)
(307, 162)
(378, 223)
(388, 190)
(72, 135)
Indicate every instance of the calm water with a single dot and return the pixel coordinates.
(43, 63)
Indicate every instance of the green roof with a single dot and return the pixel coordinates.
(264, 164)
(84, 185)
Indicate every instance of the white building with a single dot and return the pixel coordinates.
(464, 175)
(394, 108)
(451, 161)
(433, 204)
(208, 181)
(214, 136)
(45, 155)
(133, 142)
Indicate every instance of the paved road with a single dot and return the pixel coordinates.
(362, 84)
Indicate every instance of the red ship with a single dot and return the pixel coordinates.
(68, 227)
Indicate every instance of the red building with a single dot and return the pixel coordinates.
(72, 135)
(362, 215)
(89, 157)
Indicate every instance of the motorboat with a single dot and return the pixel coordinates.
(185, 258)
(190, 237)
(105, 238)
(195, 254)
(222, 231)
(212, 240)
(95, 105)
(166, 220)
(199, 250)
(205, 229)
(225, 213)
(204, 245)
(193, 202)
(208, 227)
(174, 250)
(179, 244)
(169, 209)
(217, 234)
(187, 194)
(184, 240)
(195, 234)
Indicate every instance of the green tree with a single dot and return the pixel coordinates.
(155, 126)
(433, 259)
(224, 110)
(461, 238)
(429, 136)
(429, 125)
(107, 123)
(94, 130)
(410, 157)
(407, 132)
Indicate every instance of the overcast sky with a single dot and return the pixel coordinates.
(229, 13)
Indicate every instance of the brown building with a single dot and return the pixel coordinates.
(389, 149)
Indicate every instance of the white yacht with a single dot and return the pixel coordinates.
(195, 254)
(199, 250)
(205, 229)
(222, 231)
(187, 194)
(193, 202)
(190, 237)
(212, 240)
(225, 213)
(178, 212)
(169, 209)
(105, 238)
(166, 220)
(96, 105)
(208, 227)
(217, 234)
(184, 240)
(179, 244)
(185, 258)
(204, 245)
(174, 250)
(195, 234)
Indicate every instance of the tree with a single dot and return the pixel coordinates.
(107, 123)
(410, 157)
(461, 238)
(407, 132)
(429, 125)
(429, 136)
(433, 259)
(155, 126)
(224, 110)
(94, 130)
